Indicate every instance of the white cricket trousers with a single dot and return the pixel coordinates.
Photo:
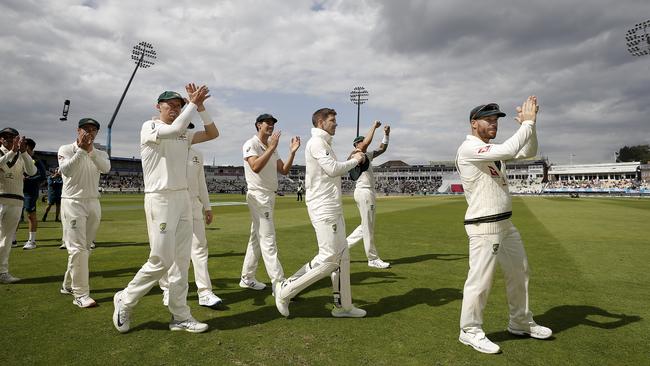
(333, 259)
(169, 225)
(199, 254)
(261, 242)
(365, 199)
(9, 217)
(80, 219)
(485, 251)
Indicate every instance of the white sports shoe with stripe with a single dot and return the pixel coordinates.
(351, 312)
(84, 302)
(190, 325)
(478, 341)
(535, 331)
(7, 278)
(251, 284)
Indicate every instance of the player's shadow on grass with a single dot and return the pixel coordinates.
(417, 296)
(115, 244)
(561, 318)
(226, 254)
(428, 257)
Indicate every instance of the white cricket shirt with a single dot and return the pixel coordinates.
(267, 178)
(81, 170)
(323, 177)
(367, 178)
(11, 176)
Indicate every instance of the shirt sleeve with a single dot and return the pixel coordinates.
(323, 154)
(68, 160)
(530, 149)
(505, 151)
(30, 166)
(250, 149)
(101, 161)
(151, 131)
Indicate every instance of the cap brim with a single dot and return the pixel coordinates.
(491, 113)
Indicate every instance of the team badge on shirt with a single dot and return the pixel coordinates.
(73, 224)
(195, 160)
(266, 214)
(334, 227)
(495, 249)
(163, 227)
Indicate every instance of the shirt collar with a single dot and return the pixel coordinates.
(317, 132)
(472, 137)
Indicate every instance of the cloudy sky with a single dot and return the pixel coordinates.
(424, 63)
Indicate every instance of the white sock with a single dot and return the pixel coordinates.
(32, 236)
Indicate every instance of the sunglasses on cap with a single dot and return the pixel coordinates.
(491, 107)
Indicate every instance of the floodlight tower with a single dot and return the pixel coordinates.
(144, 55)
(358, 96)
(638, 39)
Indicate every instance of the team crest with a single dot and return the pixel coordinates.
(163, 227)
(495, 248)
(266, 214)
(334, 227)
(73, 224)
(195, 160)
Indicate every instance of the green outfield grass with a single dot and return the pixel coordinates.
(589, 283)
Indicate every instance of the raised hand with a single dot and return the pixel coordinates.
(528, 110)
(85, 140)
(15, 144)
(274, 139)
(294, 144)
(376, 124)
(197, 95)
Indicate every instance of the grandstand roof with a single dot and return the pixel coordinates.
(594, 168)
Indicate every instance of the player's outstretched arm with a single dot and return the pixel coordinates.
(258, 162)
(332, 167)
(384, 143)
(528, 112)
(363, 145)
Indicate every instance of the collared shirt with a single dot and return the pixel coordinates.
(485, 184)
(267, 178)
(81, 170)
(323, 176)
(164, 160)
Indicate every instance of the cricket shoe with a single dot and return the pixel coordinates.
(121, 315)
(378, 263)
(62, 246)
(166, 297)
(84, 302)
(535, 331)
(280, 303)
(478, 341)
(351, 312)
(65, 290)
(7, 278)
(190, 325)
(252, 284)
(209, 299)
(29, 245)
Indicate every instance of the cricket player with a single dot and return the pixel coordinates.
(492, 236)
(31, 191)
(261, 171)
(81, 165)
(364, 196)
(201, 215)
(325, 207)
(14, 162)
(164, 146)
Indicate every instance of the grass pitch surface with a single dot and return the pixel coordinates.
(589, 283)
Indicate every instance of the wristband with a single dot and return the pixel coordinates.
(205, 117)
(385, 140)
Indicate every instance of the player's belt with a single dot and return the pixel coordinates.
(13, 196)
(490, 218)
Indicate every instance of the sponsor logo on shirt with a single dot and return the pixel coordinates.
(484, 149)
(195, 160)
(493, 172)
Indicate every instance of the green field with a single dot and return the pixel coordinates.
(589, 283)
